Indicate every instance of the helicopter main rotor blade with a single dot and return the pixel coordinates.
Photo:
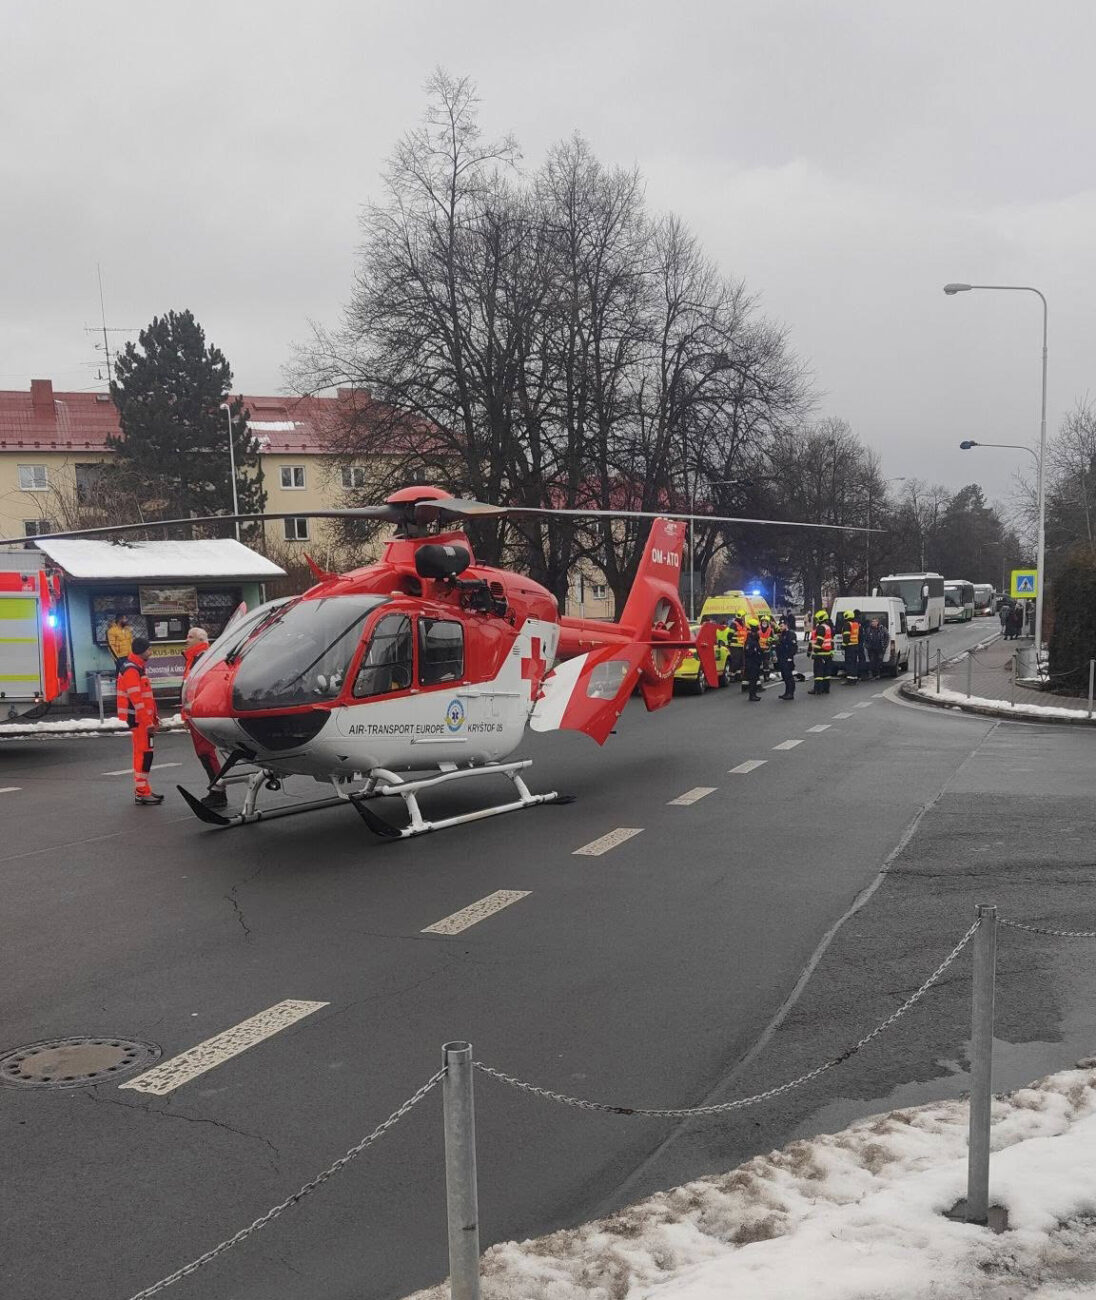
(386, 513)
(674, 514)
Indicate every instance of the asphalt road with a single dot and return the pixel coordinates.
(657, 973)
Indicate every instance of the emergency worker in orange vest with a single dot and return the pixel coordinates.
(765, 636)
(736, 640)
(197, 643)
(851, 644)
(822, 653)
(137, 709)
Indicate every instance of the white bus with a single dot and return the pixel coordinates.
(923, 596)
(983, 598)
(958, 601)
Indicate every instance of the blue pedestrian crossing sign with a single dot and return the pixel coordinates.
(1024, 583)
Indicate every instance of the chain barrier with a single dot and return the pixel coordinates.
(1058, 934)
(299, 1195)
(688, 1112)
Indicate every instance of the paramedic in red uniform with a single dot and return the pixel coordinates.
(197, 643)
(137, 709)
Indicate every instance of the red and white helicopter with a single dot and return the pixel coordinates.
(425, 668)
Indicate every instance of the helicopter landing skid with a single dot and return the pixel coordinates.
(380, 782)
(383, 782)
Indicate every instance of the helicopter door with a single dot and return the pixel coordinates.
(450, 710)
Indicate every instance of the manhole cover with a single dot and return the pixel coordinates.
(74, 1062)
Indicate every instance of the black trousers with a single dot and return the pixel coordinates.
(875, 661)
(823, 666)
(787, 675)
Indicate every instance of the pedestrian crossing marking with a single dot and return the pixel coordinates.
(750, 765)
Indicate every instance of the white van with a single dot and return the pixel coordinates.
(891, 613)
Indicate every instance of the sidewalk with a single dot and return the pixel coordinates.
(75, 726)
(992, 689)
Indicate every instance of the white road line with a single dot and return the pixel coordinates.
(864, 704)
(879, 695)
(842, 715)
(788, 744)
(750, 765)
(823, 726)
(165, 1078)
(9, 789)
(692, 796)
(606, 842)
(475, 912)
(127, 771)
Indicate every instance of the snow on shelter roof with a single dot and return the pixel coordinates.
(197, 561)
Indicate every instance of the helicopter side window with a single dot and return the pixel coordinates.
(441, 651)
(387, 664)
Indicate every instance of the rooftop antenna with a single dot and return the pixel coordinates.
(104, 329)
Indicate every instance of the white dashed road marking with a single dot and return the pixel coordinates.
(864, 704)
(750, 765)
(788, 744)
(165, 1078)
(692, 796)
(9, 789)
(842, 715)
(824, 726)
(606, 842)
(475, 912)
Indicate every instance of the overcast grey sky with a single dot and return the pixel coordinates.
(846, 158)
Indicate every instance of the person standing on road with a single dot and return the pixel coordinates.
(736, 640)
(753, 656)
(786, 646)
(197, 643)
(850, 643)
(119, 638)
(875, 642)
(137, 709)
(1002, 614)
(822, 653)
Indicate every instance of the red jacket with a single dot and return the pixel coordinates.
(191, 655)
(136, 705)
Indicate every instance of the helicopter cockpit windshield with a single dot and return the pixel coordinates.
(303, 655)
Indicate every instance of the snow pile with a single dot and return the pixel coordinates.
(77, 727)
(200, 561)
(1033, 710)
(856, 1215)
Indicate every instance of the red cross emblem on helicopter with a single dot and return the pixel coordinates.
(534, 666)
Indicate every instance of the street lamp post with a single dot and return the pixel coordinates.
(232, 462)
(1040, 560)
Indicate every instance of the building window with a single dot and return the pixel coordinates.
(36, 527)
(353, 476)
(87, 480)
(296, 529)
(599, 591)
(293, 476)
(33, 478)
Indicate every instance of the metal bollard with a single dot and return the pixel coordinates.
(1091, 672)
(1012, 688)
(970, 669)
(939, 656)
(461, 1195)
(981, 1064)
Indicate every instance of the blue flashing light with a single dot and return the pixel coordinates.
(51, 619)
(756, 592)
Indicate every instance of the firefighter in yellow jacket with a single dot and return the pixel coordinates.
(137, 709)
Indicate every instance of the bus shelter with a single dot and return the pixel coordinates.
(163, 587)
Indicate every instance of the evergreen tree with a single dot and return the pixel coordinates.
(169, 388)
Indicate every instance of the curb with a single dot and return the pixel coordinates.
(910, 692)
(30, 732)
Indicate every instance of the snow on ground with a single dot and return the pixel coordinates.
(1033, 710)
(76, 727)
(856, 1215)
